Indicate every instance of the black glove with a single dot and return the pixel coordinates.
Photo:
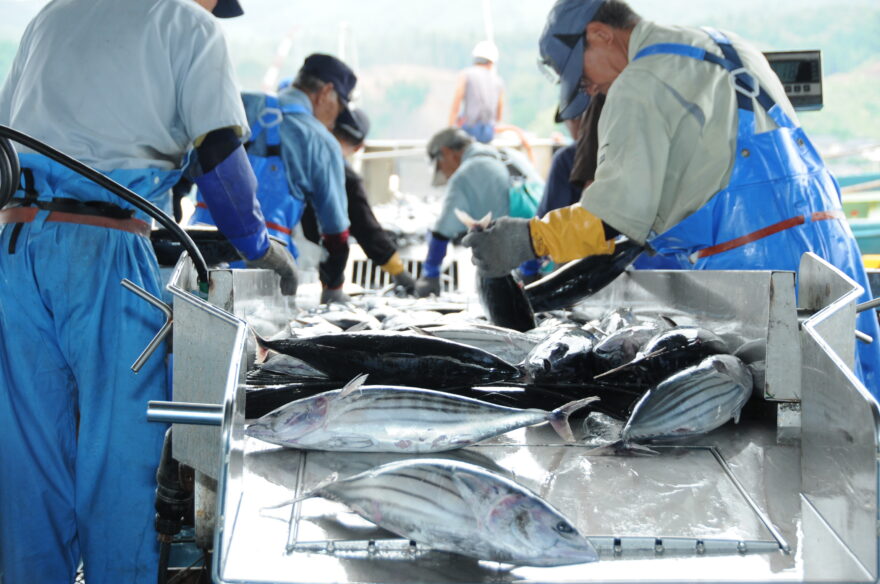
(278, 259)
(405, 280)
(502, 246)
(426, 286)
(329, 295)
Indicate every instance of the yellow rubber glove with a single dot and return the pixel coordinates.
(569, 233)
(394, 265)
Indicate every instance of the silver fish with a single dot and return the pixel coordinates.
(693, 401)
(508, 344)
(462, 508)
(359, 418)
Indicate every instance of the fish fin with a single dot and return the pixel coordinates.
(472, 223)
(558, 418)
(353, 385)
(361, 326)
(420, 331)
(669, 321)
(473, 490)
(311, 494)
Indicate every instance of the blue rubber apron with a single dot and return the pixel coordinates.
(281, 209)
(781, 202)
(81, 457)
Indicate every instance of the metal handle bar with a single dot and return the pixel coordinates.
(163, 332)
(185, 413)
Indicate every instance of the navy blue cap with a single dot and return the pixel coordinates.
(562, 49)
(575, 109)
(353, 125)
(329, 69)
(227, 9)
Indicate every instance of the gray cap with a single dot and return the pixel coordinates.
(454, 138)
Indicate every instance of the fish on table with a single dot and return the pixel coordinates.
(376, 418)
(693, 401)
(508, 344)
(396, 357)
(461, 508)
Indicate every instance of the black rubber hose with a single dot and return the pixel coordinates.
(164, 556)
(9, 168)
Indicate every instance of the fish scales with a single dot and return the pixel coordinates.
(397, 358)
(462, 508)
(396, 419)
(693, 401)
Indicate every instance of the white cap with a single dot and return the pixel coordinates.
(485, 50)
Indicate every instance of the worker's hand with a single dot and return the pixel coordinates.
(330, 295)
(404, 280)
(502, 246)
(278, 259)
(426, 286)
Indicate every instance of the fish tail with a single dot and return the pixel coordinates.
(262, 350)
(558, 418)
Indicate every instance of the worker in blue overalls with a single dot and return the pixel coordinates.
(127, 87)
(297, 159)
(700, 158)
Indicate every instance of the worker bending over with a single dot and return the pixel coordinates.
(700, 158)
(297, 159)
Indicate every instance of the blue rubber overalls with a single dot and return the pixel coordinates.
(281, 209)
(780, 202)
(78, 456)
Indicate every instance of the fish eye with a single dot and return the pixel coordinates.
(563, 527)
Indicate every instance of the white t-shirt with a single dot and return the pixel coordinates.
(122, 83)
(668, 131)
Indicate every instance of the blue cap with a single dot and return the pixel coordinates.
(562, 49)
(329, 69)
(354, 125)
(575, 109)
(227, 9)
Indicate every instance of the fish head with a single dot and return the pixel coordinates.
(540, 534)
(290, 422)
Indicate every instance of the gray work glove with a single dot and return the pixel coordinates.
(330, 295)
(405, 280)
(501, 247)
(278, 259)
(426, 286)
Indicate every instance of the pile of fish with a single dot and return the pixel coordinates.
(441, 379)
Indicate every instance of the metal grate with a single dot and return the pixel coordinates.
(370, 276)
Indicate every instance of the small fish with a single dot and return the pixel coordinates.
(462, 508)
(691, 402)
(365, 418)
(582, 278)
(503, 299)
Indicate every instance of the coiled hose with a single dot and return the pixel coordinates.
(10, 172)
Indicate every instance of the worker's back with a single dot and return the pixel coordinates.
(482, 88)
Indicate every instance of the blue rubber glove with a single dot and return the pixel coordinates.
(436, 252)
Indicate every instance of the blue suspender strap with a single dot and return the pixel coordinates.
(745, 84)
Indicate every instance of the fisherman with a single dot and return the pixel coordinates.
(478, 102)
(297, 159)
(696, 128)
(125, 86)
(481, 180)
(351, 132)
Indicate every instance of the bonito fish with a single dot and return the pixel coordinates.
(462, 508)
(397, 357)
(693, 401)
(359, 418)
(508, 344)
